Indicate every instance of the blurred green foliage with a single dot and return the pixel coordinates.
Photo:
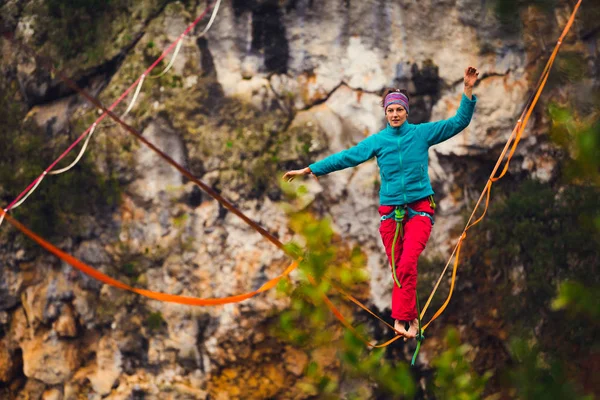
(578, 299)
(309, 323)
(536, 376)
(550, 234)
(454, 375)
(325, 263)
(362, 363)
(579, 136)
(534, 238)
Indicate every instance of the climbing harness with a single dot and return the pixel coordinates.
(399, 213)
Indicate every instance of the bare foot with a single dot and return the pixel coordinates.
(400, 327)
(413, 329)
(407, 329)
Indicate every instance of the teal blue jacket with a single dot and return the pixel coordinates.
(402, 155)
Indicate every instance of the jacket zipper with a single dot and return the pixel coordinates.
(401, 171)
(386, 182)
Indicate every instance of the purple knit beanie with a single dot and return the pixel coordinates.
(396, 98)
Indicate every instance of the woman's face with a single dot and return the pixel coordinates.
(395, 115)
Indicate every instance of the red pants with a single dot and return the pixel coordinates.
(407, 251)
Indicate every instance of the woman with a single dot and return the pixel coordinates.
(406, 196)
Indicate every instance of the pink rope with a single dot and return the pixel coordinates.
(113, 105)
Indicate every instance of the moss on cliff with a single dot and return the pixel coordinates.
(81, 34)
(60, 201)
(247, 147)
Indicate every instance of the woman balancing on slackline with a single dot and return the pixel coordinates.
(405, 194)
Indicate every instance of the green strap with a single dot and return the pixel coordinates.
(398, 229)
(399, 214)
(412, 363)
(432, 202)
(420, 335)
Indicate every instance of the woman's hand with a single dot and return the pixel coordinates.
(290, 175)
(471, 75)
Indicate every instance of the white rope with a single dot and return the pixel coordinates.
(168, 67)
(87, 140)
(212, 19)
(180, 43)
(59, 171)
(135, 96)
(132, 102)
(31, 191)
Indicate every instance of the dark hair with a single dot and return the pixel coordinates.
(392, 90)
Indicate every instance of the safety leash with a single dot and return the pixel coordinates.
(399, 214)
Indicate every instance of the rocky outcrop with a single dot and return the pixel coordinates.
(156, 175)
(9, 361)
(51, 360)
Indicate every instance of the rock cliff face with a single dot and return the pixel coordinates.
(273, 85)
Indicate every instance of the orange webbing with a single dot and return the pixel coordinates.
(192, 301)
(361, 305)
(516, 134)
(349, 326)
(443, 307)
(487, 191)
(94, 273)
(543, 79)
